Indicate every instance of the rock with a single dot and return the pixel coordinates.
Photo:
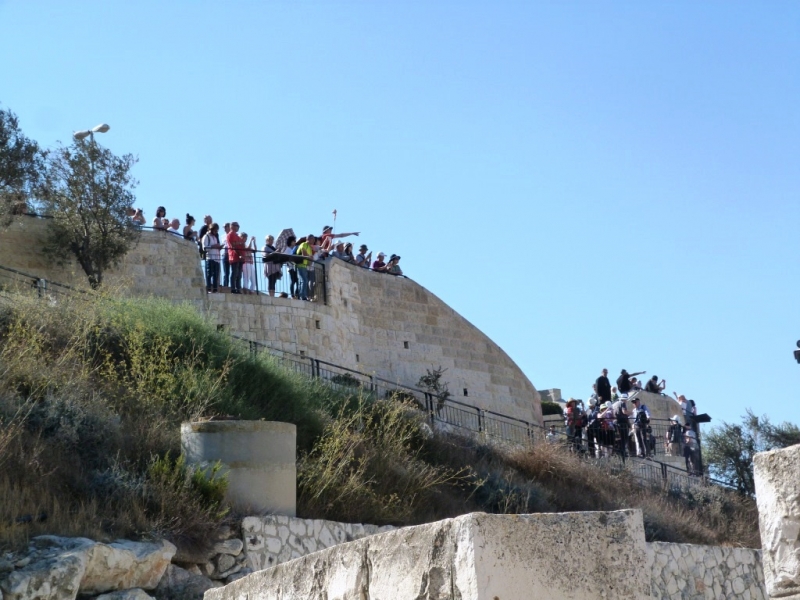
(225, 562)
(179, 584)
(193, 569)
(231, 578)
(223, 533)
(208, 569)
(24, 562)
(134, 594)
(55, 571)
(123, 565)
(232, 571)
(6, 565)
(232, 547)
(60, 568)
(189, 556)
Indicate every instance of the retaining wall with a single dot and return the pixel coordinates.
(374, 323)
(689, 572)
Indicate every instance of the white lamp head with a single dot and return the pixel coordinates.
(102, 128)
(80, 135)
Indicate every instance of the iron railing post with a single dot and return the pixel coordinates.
(41, 287)
(324, 286)
(316, 361)
(480, 420)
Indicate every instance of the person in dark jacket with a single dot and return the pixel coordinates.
(624, 381)
(603, 387)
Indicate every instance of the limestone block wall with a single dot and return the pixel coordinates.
(690, 572)
(162, 264)
(386, 326)
(274, 539)
(375, 323)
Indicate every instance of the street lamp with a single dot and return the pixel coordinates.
(82, 135)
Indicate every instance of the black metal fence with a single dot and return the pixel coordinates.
(12, 280)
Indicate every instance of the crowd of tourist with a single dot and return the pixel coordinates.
(231, 257)
(616, 421)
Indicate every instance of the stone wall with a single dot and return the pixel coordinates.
(374, 323)
(689, 572)
(274, 539)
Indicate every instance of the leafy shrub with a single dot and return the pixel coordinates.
(551, 408)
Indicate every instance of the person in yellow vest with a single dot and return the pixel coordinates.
(305, 249)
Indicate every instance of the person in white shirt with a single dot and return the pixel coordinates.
(212, 247)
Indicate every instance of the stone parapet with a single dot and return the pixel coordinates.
(691, 572)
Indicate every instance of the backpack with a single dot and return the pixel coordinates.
(641, 417)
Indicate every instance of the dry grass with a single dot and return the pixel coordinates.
(546, 478)
(92, 396)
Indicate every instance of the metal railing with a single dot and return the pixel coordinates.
(12, 280)
(458, 417)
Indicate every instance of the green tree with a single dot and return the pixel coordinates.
(729, 449)
(21, 163)
(88, 190)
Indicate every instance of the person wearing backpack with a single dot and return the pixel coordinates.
(641, 419)
(621, 417)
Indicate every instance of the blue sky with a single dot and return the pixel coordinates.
(592, 184)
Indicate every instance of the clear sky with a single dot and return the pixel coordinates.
(593, 184)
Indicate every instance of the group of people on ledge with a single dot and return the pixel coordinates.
(231, 256)
(616, 421)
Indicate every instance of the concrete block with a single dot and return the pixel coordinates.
(777, 480)
(472, 557)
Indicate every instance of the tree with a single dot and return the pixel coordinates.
(729, 449)
(88, 189)
(21, 163)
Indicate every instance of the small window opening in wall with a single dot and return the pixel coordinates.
(358, 358)
(465, 392)
(317, 324)
(405, 345)
(302, 352)
(220, 327)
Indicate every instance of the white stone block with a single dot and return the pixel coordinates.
(473, 557)
(777, 481)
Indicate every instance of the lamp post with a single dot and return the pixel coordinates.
(82, 135)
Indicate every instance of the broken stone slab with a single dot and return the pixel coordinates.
(472, 557)
(60, 568)
(134, 594)
(124, 565)
(55, 571)
(777, 482)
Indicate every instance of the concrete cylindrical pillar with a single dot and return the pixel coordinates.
(258, 456)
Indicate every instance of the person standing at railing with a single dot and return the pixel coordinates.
(603, 387)
(654, 386)
(226, 264)
(211, 248)
(674, 437)
(272, 270)
(327, 237)
(641, 419)
(248, 263)
(235, 257)
(379, 265)
(188, 232)
(294, 282)
(593, 428)
(158, 221)
(624, 382)
(620, 409)
(362, 258)
(305, 249)
(608, 427)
